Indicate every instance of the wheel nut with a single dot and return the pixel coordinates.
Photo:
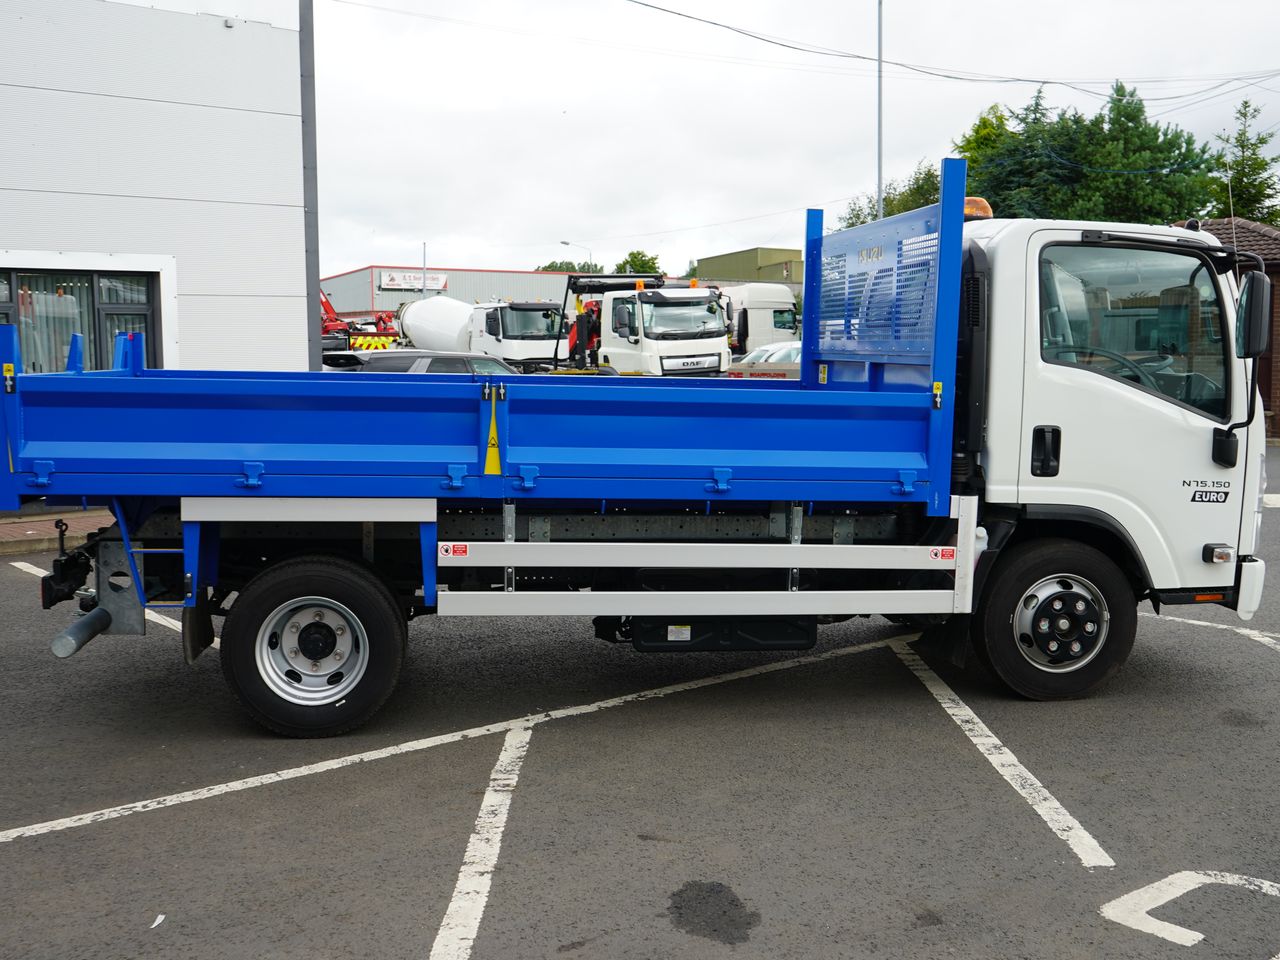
(1064, 624)
(1090, 627)
(1057, 604)
(1076, 647)
(339, 629)
(1079, 606)
(1043, 625)
(314, 666)
(293, 652)
(294, 628)
(319, 615)
(337, 655)
(1053, 646)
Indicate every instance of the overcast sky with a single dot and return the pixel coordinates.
(493, 129)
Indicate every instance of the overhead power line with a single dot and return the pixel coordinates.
(947, 74)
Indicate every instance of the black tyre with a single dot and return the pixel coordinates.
(1056, 621)
(313, 646)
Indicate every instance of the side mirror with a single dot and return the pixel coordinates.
(493, 324)
(1253, 315)
(633, 328)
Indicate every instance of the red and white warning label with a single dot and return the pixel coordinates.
(453, 549)
(942, 553)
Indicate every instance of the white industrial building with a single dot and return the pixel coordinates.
(378, 287)
(159, 175)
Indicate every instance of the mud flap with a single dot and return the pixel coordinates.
(197, 630)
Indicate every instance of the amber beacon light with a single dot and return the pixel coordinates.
(976, 208)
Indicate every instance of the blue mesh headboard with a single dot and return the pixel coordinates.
(886, 292)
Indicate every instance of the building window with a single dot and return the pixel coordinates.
(50, 306)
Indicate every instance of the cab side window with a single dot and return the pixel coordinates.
(1151, 318)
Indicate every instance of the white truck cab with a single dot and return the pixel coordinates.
(664, 332)
(1117, 398)
(759, 314)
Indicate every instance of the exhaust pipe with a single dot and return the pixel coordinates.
(81, 632)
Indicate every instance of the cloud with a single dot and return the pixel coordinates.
(494, 130)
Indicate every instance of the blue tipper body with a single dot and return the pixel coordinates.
(865, 422)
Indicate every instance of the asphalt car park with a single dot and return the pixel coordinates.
(532, 792)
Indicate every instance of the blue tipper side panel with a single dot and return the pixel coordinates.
(130, 432)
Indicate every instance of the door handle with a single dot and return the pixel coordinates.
(1046, 449)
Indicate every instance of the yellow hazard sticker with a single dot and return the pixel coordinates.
(492, 455)
(822, 373)
(8, 369)
(371, 343)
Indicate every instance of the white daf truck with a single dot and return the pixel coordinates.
(648, 325)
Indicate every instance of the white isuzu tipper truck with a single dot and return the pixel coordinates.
(1024, 426)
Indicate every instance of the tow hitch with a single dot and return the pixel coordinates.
(70, 571)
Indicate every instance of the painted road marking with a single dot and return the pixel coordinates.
(1134, 909)
(412, 746)
(1271, 499)
(457, 932)
(1007, 765)
(150, 614)
(1271, 640)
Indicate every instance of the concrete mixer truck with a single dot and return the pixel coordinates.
(524, 334)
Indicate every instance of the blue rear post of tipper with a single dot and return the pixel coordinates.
(881, 315)
(10, 366)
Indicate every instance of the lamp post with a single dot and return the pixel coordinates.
(590, 259)
(879, 109)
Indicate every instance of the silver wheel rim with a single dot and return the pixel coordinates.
(311, 651)
(1061, 623)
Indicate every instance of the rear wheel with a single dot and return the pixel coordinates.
(313, 646)
(1057, 620)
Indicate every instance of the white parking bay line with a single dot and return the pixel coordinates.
(412, 746)
(150, 614)
(1266, 639)
(457, 932)
(1271, 499)
(1007, 765)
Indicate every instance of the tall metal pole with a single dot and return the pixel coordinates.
(424, 269)
(590, 256)
(879, 109)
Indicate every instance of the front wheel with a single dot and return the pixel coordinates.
(1057, 620)
(313, 646)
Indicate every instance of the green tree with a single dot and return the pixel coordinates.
(1246, 182)
(691, 271)
(637, 261)
(1116, 165)
(919, 190)
(568, 266)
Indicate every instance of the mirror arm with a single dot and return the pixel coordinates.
(1262, 267)
(1225, 445)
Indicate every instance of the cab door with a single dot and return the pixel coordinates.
(1129, 368)
(616, 348)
